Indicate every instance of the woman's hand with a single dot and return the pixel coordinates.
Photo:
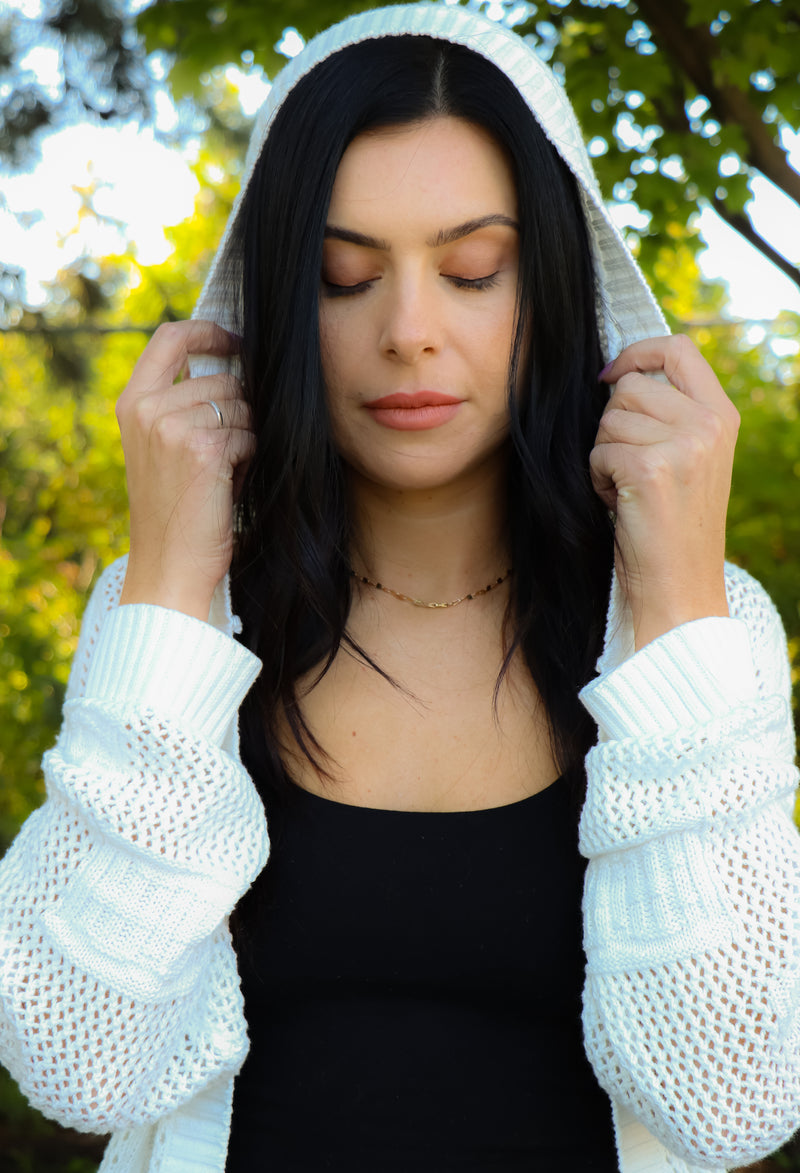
(662, 462)
(182, 466)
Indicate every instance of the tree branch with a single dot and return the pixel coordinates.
(88, 328)
(693, 50)
(743, 226)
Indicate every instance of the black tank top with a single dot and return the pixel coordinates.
(412, 990)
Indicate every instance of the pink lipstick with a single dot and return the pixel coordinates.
(415, 411)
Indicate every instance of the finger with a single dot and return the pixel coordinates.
(678, 358)
(203, 388)
(240, 449)
(621, 471)
(603, 462)
(641, 394)
(169, 348)
(632, 427)
(174, 425)
(230, 415)
(150, 404)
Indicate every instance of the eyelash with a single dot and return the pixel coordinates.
(474, 284)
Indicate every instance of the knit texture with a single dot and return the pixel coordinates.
(121, 1008)
(114, 895)
(693, 887)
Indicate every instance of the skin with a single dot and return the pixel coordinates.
(428, 504)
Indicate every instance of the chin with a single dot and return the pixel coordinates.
(430, 474)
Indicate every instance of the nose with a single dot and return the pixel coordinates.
(410, 326)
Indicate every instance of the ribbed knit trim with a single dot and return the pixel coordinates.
(640, 1152)
(627, 310)
(194, 1139)
(686, 677)
(150, 657)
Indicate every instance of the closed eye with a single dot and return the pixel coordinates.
(333, 290)
(474, 283)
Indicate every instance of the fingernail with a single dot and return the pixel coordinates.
(605, 371)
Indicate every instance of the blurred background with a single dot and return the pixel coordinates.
(123, 127)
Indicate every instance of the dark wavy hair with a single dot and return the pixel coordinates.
(291, 582)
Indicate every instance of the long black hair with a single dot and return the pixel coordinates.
(291, 582)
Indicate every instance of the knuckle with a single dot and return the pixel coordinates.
(609, 421)
(695, 447)
(161, 427)
(711, 424)
(171, 334)
(626, 385)
(654, 467)
(142, 414)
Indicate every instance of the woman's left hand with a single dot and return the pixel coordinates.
(662, 462)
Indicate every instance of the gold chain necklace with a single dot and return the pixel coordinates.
(378, 586)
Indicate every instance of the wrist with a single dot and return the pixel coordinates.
(176, 593)
(654, 617)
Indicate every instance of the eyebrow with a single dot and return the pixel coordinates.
(442, 237)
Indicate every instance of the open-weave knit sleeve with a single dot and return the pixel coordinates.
(118, 992)
(692, 902)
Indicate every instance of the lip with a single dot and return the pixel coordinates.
(413, 411)
(409, 400)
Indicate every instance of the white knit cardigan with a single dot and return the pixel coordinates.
(120, 1007)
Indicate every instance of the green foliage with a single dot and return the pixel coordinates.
(100, 73)
(202, 36)
(63, 496)
(633, 73)
(63, 503)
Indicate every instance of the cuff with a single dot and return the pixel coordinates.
(154, 658)
(687, 677)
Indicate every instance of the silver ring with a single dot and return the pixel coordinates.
(211, 403)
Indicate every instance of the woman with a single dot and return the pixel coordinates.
(421, 284)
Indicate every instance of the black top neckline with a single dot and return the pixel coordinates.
(300, 793)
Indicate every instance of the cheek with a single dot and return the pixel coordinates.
(492, 344)
(338, 347)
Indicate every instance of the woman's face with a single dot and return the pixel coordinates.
(417, 303)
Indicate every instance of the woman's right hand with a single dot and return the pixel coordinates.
(182, 468)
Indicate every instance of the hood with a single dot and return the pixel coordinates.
(627, 310)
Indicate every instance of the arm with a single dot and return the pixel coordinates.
(692, 903)
(119, 997)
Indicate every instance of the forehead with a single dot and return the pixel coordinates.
(449, 168)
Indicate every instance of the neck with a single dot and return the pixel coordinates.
(433, 544)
